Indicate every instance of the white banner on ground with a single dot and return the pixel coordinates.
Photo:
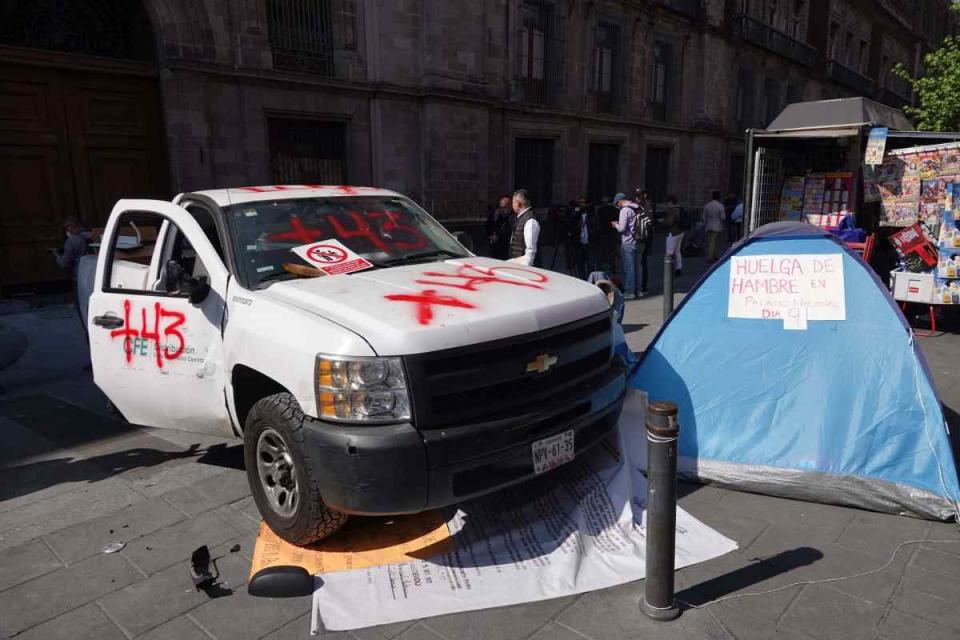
(576, 529)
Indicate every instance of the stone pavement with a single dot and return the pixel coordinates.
(73, 478)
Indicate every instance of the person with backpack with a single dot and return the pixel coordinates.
(676, 220)
(648, 216)
(634, 230)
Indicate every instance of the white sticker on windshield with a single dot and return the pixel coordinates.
(250, 212)
(264, 269)
(331, 257)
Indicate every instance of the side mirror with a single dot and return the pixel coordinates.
(199, 289)
(464, 238)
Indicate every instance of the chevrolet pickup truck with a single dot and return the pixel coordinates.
(369, 361)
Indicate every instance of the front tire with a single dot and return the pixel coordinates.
(282, 473)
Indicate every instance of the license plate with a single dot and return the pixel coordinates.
(552, 452)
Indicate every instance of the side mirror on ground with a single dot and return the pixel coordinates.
(464, 238)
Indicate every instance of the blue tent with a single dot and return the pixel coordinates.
(832, 410)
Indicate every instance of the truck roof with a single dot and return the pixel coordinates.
(238, 195)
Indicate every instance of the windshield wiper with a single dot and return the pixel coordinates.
(267, 280)
(418, 256)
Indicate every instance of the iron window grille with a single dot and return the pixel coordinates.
(608, 79)
(661, 80)
(307, 151)
(533, 169)
(539, 72)
(301, 35)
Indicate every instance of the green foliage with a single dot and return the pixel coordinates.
(937, 91)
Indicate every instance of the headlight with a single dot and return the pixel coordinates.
(361, 389)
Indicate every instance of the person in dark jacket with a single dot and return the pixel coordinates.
(586, 238)
(607, 237)
(499, 228)
(75, 246)
(525, 238)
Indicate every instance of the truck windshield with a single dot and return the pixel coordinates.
(386, 230)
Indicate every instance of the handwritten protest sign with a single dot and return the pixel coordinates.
(790, 288)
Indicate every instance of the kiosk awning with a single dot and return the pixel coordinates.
(844, 112)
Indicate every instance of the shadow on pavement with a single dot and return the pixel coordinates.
(755, 573)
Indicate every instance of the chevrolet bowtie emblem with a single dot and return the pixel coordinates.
(541, 363)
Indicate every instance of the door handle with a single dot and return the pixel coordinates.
(108, 322)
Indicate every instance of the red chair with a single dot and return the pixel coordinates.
(865, 248)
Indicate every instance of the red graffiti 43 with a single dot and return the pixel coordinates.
(168, 344)
(425, 301)
(468, 277)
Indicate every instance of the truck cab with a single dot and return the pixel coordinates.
(419, 377)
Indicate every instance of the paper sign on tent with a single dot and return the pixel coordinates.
(331, 257)
(791, 288)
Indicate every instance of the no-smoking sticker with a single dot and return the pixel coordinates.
(332, 257)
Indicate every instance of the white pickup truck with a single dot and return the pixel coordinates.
(425, 378)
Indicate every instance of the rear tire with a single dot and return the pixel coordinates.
(283, 474)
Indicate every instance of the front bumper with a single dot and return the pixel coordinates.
(396, 469)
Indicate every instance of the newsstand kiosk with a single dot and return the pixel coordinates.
(855, 164)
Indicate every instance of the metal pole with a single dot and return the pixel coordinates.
(662, 432)
(667, 286)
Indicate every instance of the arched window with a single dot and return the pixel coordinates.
(106, 28)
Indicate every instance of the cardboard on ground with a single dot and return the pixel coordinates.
(363, 542)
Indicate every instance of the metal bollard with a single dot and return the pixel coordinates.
(662, 432)
(667, 286)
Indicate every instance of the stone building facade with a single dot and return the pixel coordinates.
(449, 101)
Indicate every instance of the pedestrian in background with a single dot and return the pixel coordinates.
(713, 216)
(673, 220)
(729, 204)
(499, 228)
(609, 239)
(75, 246)
(648, 214)
(586, 235)
(736, 220)
(525, 238)
(626, 224)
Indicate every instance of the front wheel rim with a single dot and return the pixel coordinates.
(278, 474)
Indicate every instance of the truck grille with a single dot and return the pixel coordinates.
(490, 381)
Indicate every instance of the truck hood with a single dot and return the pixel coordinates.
(419, 308)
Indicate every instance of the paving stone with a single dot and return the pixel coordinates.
(383, 631)
(742, 529)
(180, 628)
(419, 632)
(169, 593)
(614, 613)
(87, 538)
(518, 621)
(705, 493)
(50, 595)
(946, 532)
(556, 631)
(36, 480)
(224, 488)
(26, 562)
(896, 625)
(299, 629)
(788, 550)
(65, 424)
(930, 596)
(745, 626)
(86, 622)
(941, 633)
(932, 560)
(829, 614)
(242, 616)
(167, 479)
(20, 443)
(188, 501)
(738, 575)
(172, 544)
(820, 522)
(879, 533)
(41, 517)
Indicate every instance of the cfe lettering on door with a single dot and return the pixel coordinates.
(788, 288)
